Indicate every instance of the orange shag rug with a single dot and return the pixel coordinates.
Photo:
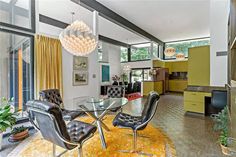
(117, 139)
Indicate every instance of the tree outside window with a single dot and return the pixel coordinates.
(140, 52)
(123, 54)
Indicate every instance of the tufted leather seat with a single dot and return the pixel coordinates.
(115, 92)
(53, 96)
(78, 131)
(136, 123)
(127, 120)
(54, 129)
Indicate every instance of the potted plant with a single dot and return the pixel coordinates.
(115, 80)
(19, 133)
(124, 77)
(7, 117)
(221, 125)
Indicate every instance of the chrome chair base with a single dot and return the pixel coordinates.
(54, 152)
(135, 152)
(143, 136)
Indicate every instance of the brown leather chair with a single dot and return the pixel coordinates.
(53, 96)
(47, 118)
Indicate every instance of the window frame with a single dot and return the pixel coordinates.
(32, 20)
(31, 55)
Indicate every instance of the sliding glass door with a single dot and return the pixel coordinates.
(142, 74)
(16, 67)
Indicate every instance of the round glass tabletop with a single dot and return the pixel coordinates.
(93, 104)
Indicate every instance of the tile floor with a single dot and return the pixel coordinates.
(192, 134)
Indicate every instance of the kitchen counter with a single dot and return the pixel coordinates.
(205, 89)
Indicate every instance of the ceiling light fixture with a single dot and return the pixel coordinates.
(169, 52)
(78, 39)
(180, 56)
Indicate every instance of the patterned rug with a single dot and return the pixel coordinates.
(117, 139)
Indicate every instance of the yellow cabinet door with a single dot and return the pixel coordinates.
(178, 85)
(196, 96)
(192, 106)
(148, 86)
(158, 87)
(199, 66)
(158, 64)
(180, 66)
(169, 66)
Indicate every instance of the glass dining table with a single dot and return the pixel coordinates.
(97, 108)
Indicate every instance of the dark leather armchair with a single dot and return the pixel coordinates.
(53, 128)
(136, 123)
(116, 92)
(218, 99)
(53, 96)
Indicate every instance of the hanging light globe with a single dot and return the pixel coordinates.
(169, 52)
(180, 56)
(78, 39)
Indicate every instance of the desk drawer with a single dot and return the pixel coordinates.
(193, 106)
(195, 96)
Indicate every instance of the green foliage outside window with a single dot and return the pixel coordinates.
(140, 54)
(183, 46)
(123, 54)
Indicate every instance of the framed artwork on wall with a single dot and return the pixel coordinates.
(80, 78)
(80, 63)
(105, 73)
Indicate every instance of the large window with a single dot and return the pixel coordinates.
(182, 46)
(140, 74)
(140, 52)
(19, 14)
(155, 51)
(16, 68)
(123, 54)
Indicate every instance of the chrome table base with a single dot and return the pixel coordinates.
(98, 121)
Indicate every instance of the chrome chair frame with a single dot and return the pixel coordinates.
(135, 135)
(56, 128)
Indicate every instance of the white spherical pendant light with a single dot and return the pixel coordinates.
(78, 39)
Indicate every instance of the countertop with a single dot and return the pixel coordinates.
(206, 89)
(178, 80)
(152, 81)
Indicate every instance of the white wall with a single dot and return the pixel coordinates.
(111, 53)
(219, 10)
(70, 91)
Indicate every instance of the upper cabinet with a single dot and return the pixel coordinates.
(199, 66)
(173, 66)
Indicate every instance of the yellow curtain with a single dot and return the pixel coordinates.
(48, 64)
